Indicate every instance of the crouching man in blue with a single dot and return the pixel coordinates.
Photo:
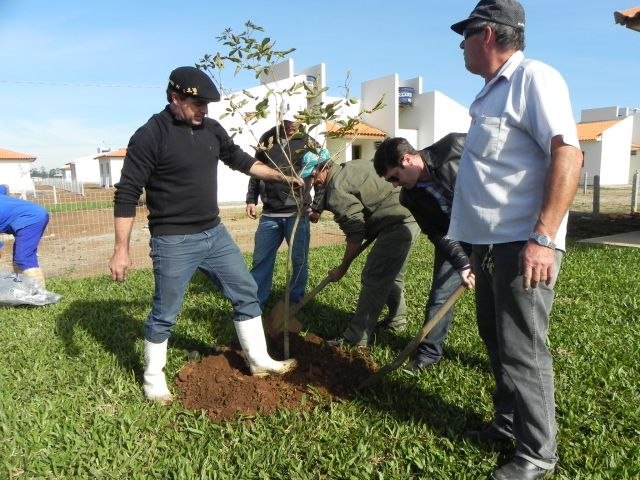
(427, 178)
(26, 221)
(174, 156)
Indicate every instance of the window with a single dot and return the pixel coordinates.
(356, 152)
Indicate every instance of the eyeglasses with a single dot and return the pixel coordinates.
(392, 179)
(468, 32)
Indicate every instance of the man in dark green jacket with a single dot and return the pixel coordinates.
(368, 208)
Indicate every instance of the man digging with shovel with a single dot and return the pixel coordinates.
(367, 208)
(427, 178)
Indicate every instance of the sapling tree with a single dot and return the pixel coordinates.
(245, 53)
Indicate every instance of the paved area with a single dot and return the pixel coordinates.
(629, 239)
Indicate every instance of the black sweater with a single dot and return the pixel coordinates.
(177, 165)
(278, 197)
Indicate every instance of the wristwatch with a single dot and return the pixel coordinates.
(542, 240)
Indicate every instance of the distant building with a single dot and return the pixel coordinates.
(610, 141)
(85, 169)
(110, 166)
(420, 117)
(15, 170)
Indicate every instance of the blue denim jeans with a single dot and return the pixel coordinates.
(445, 280)
(177, 257)
(268, 238)
(513, 323)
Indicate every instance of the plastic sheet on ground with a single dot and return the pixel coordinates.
(16, 289)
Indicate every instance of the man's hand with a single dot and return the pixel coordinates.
(468, 278)
(119, 265)
(251, 210)
(296, 181)
(537, 265)
(337, 273)
(314, 216)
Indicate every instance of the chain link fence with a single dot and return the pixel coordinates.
(79, 239)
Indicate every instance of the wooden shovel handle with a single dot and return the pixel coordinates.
(413, 344)
(325, 281)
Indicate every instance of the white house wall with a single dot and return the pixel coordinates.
(86, 170)
(448, 116)
(431, 116)
(16, 174)
(635, 135)
(592, 152)
(115, 169)
(385, 119)
(600, 114)
(634, 160)
(232, 185)
(615, 153)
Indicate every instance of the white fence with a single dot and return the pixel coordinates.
(61, 184)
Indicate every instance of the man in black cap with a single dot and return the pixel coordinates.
(174, 157)
(518, 175)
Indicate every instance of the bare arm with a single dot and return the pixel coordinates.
(120, 261)
(560, 189)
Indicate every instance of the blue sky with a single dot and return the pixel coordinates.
(76, 76)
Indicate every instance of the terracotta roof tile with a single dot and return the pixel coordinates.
(10, 155)
(361, 130)
(591, 131)
(120, 153)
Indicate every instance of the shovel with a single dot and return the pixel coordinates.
(275, 321)
(413, 344)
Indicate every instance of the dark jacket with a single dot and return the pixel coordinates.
(278, 197)
(177, 165)
(442, 159)
(363, 204)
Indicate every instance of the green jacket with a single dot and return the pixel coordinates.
(362, 203)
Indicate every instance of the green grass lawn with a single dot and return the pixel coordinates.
(71, 404)
(80, 206)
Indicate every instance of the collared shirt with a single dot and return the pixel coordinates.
(500, 185)
(441, 195)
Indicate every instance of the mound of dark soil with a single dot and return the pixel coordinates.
(222, 385)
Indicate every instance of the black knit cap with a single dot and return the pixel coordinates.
(505, 12)
(194, 83)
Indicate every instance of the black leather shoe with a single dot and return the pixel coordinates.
(394, 326)
(494, 433)
(520, 469)
(418, 364)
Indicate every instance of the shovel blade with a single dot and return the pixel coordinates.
(274, 324)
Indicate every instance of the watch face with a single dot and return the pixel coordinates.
(542, 240)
